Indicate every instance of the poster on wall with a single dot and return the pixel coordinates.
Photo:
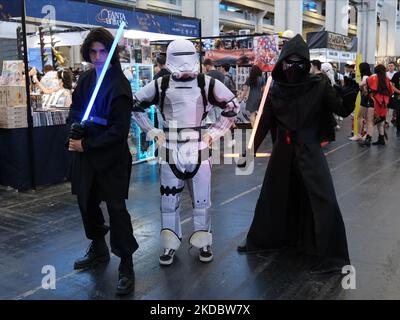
(13, 73)
(266, 49)
(232, 57)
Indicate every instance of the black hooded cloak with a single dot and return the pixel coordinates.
(297, 205)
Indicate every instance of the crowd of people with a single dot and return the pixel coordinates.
(379, 92)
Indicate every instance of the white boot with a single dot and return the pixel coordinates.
(170, 242)
(203, 241)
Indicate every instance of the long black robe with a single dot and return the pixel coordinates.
(297, 205)
(106, 161)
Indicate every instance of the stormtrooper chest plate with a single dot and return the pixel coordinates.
(183, 104)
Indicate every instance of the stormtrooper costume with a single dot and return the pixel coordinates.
(184, 98)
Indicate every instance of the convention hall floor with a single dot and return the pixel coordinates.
(44, 228)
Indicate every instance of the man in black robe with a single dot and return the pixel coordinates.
(101, 159)
(297, 206)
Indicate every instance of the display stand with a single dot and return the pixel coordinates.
(139, 75)
(51, 157)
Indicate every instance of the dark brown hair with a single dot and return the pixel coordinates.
(380, 71)
(103, 36)
(66, 77)
(47, 68)
(255, 72)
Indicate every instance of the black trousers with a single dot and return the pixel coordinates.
(122, 241)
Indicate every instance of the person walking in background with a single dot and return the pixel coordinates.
(252, 92)
(209, 69)
(380, 89)
(228, 79)
(365, 103)
(162, 70)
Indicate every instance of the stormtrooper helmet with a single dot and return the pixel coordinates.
(182, 58)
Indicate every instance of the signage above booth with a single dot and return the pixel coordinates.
(331, 40)
(111, 16)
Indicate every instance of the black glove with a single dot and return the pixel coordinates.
(351, 88)
(77, 131)
(229, 114)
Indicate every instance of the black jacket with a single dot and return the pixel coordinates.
(106, 161)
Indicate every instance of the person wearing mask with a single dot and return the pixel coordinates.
(184, 98)
(252, 92)
(328, 71)
(297, 206)
(101, 161)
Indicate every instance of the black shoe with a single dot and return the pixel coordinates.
(126, 277)
(96, 253)
(242, 247)
(366, 142)
(380, 141)
(326, 270)
(205, 254)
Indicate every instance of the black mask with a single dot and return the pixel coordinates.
(294, 71)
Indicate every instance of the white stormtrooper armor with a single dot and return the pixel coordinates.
(184, 111)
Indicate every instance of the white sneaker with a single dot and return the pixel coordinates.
(357, 137)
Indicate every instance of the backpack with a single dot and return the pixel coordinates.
(230, 83)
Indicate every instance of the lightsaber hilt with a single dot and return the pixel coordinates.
(77, 131)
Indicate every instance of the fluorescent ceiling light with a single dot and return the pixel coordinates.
(136, 34)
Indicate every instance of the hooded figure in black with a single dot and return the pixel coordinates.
(297, 206)
(101, 164)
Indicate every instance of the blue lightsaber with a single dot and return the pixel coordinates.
(103, 72)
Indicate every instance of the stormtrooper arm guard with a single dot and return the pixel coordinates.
(141, 101)
(225, 99)
(225, 121)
